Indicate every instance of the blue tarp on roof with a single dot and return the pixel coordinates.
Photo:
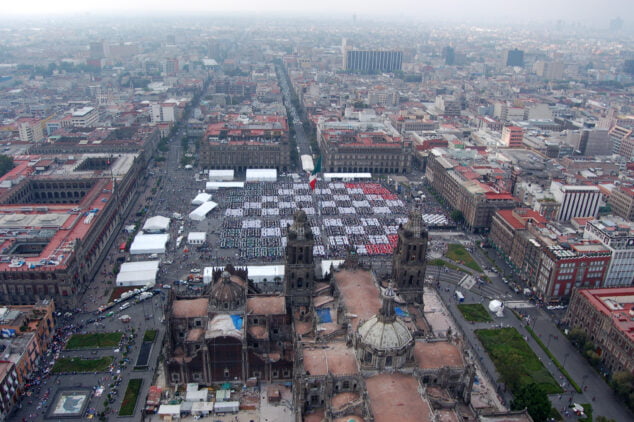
(324, 315)
(399, 312)
(237, 321)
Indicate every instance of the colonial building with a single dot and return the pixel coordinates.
(605, 315)
(241, 143)
(353, 346)
(351, 147)
(57, 216)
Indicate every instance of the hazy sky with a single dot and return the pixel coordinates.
(547, 10)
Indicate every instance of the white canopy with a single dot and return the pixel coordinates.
(170, 409)
(307, 163)
(157, 224)
(220, 175)
(198, 395)
(201, 212)
(149, 243)
(139, 273)
(262, 273)
(324, 267)
(201, 198)
(346, 176)
(221, 185)
(204, 407)
(261, 175)
(196, 238)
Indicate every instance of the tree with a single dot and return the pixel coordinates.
(603, 419)
(457, 216)
(623, 383)
(577, 337)
(6, 164)
(533, 398)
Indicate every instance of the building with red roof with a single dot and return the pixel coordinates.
(607, 318)
(240, 142)
(369, 147)
(57, 216)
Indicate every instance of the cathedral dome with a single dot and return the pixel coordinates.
(384, 341)
(384, 336)
(227, 293)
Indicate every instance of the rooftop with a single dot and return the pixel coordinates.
(615, 302)
(437, 355)
(359, 293)
(396, 397)
(190, 308)
(266, 305)
(334, 358)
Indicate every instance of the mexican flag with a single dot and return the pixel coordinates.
(313, 176)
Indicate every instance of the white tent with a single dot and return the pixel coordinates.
(261, 175)
(156, 224)
(307, 163)
(201, 212)
(208, 273)
(196, 238)
(202, 408)
(139, 273)
(201, 198)
(347, 176)
(221, 185)
(149, 243)
(220, 175)
(265, 273)
(172, 410)
(324, 268)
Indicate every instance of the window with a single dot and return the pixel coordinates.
(176, 377)
(276, 374)
(388, 361)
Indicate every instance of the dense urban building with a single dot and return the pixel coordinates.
(353, 147)
(241, 143)
(462, 188)
(605, 315)
(576, 201)
(618, 236)
(621, 202)
(571, 265)
(515, 57)
(58, 215)
(372, 61)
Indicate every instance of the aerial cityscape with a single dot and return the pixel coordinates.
(282, 213)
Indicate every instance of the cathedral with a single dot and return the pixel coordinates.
(354, 347)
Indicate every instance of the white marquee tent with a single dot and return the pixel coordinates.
(201, 198)
(149, 243)
(220, 175)
(261, 175)
(221, 185)
(139, 273)
(157, 224)
(201, 212)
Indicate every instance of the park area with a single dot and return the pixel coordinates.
(130, 397)
(66, 365)
(459, 254)
(474, 312)
(514, 360)
(93, 341)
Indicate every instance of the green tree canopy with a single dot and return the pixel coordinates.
(6, 164)
(534, 399)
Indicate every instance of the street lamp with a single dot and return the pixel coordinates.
(565, 358)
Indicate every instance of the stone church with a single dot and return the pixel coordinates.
(355, 347)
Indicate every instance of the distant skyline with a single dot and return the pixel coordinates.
(599, 12)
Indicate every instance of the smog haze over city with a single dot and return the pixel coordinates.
(329, 211)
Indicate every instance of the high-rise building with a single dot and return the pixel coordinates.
(549, 70)
(576, 201)
(512, 136)
(371, 61)
(515, 57)
(622, 202)
(617, 235)
(449, 55)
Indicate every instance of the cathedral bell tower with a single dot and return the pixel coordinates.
(409, 259)
(299, 266)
